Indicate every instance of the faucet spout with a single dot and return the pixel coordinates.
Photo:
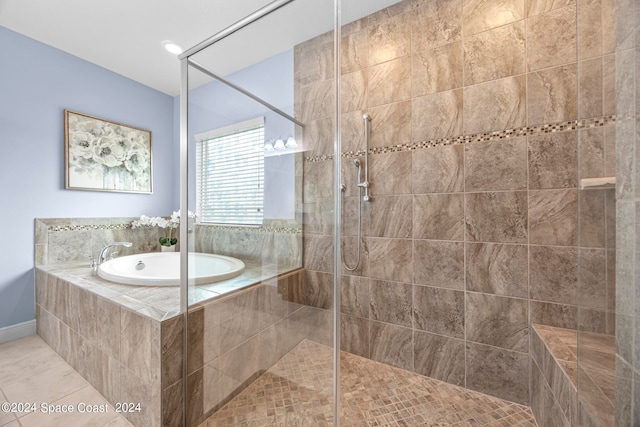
(105, 251)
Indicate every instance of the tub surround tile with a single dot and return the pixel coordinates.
(146, 349)
(68, 246)
(171, 351)
(149, 396)
(172, 404)
(140, 338)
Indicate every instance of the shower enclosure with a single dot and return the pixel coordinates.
(442, 189)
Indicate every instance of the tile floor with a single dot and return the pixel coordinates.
(31, 372)
(294, 392)
(297, 391)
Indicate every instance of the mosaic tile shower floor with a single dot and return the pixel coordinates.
(297, 391)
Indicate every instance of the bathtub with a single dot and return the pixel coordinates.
(163, 269)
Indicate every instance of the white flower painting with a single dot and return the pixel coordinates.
(106, 156)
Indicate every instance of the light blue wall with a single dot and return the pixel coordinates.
(37, 82)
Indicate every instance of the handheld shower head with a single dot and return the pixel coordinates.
(356, 162)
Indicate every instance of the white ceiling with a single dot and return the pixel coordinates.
(125, 36)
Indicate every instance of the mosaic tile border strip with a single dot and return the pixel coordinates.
(480, 137)
(87, 227)
(276, 230)
(62, 228)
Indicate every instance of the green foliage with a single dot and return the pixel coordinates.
(168, 241)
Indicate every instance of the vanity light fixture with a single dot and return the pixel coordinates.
(172, 47)
(279, 144)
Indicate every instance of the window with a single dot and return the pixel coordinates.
(230, 174)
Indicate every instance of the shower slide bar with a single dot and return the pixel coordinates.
(273, 108)
(361, 184)
(367, 139)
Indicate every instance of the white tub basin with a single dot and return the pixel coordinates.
(163, 268)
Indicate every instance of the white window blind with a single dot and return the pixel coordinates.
(230, 174)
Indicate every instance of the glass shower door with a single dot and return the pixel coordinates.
(259, 140)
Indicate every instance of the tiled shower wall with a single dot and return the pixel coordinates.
(479, 109)
(627, 403)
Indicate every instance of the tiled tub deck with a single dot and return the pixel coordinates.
(555, 399)
(127, 341)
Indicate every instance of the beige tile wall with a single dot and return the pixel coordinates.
(473, 231)
(627, 60)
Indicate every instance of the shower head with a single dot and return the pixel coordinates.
(356, 162)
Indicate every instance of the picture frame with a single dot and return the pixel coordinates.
(102, 155)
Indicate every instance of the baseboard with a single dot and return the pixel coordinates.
(19, 330)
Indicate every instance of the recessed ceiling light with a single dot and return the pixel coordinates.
(172, 47)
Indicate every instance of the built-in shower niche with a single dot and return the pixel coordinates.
(128, 341)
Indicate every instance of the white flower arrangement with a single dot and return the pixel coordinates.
(162, 222)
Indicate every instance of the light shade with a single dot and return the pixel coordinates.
(291, 142)
(268, 146)
(279, 144)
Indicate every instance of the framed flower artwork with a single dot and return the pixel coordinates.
(101, 155)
